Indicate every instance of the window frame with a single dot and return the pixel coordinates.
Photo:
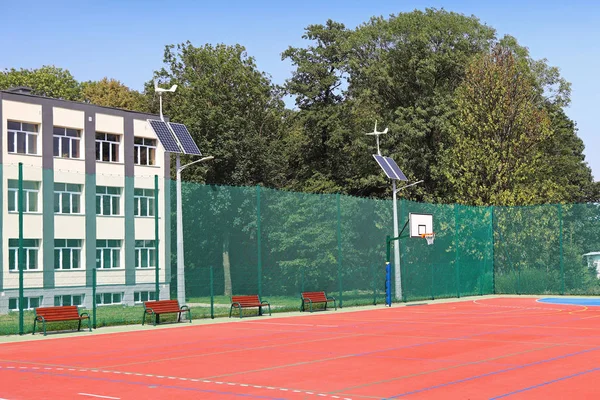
(102, 297)
(138, 296)
(103, 246)
(62, 137)
(71, 247)
(113, 156)
(145, 249)
(61, 194)
(15, 134)
(150, 145)
(28, 299)
(61, 298)
(31, 250)
(140, 198)
(27, 192)
(100, 202)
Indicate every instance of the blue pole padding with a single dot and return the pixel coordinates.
(388, 284)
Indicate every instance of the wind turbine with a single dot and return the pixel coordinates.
(376, 134)
(160, 92)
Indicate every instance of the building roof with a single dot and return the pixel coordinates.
(26, 92)
(593, 253)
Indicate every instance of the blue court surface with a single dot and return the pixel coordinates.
(571, 301)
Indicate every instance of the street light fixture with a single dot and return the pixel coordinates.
(190, 149)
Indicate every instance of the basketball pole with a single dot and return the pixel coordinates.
(397, 272)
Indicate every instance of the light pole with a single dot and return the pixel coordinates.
(180, 256)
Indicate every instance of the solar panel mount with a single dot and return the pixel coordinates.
(389, 166)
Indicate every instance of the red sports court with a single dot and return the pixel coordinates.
(487, 348)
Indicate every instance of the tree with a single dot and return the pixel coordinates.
(495, 155)
(47, 81)
(234, 113)
(112, 93)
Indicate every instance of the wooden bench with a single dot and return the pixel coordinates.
(248, 302)
(157, 307)
(60, 313)
(315, 298)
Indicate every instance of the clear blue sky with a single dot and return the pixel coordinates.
(125, 39)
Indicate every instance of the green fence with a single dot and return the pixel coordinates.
(253, 240)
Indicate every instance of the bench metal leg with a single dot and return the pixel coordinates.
(79, 325)
(34, 322)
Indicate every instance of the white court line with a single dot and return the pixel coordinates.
(99, 396)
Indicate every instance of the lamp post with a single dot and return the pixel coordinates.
(180, 256)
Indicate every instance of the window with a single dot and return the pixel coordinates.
(22, 137)
(30, 252)
(108, 254)
(139, 297)
(145, 254)
(109, 298)
(67, 198)
(68, 300)
(144, 151)
(66, 142)
(107, 147)
(31, 192)
(108, 200)
(143, 205)
(29, 303)
(67, 254)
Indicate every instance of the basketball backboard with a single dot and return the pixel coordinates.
(420, 224)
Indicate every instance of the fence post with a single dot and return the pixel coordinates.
(456, 251)
(94, 305)
(374, 267)
(432, 282)
(493, 239)
(560, 238)
(212, 294)
(156, 275)
(21, 254)
(339, 242)
(258, 245)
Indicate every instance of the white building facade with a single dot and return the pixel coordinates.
(89, 186)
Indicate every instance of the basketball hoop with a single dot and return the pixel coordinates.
(430, 237)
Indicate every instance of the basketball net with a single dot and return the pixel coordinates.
(430, 237)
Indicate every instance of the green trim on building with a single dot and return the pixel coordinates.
(48, 227)
(90, 228)
(167, 232)
(129, 231)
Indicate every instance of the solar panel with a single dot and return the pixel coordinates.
(396, 169)
(165, 136)
(182, 133)
(390, 168)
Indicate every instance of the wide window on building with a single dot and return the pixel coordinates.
(22, 137)
(31, 248)
(107, 147)
(29, 303)
(143, 205)
(108, 200)
(145, 254)
(67, 254)
(139, 297)
(108, 254)
(31, 191)
(67, 142)
(68, 300)
(109, 298)
(144, 151)
(67, 198)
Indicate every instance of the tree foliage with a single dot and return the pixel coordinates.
(112, 93)
(47, 81)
